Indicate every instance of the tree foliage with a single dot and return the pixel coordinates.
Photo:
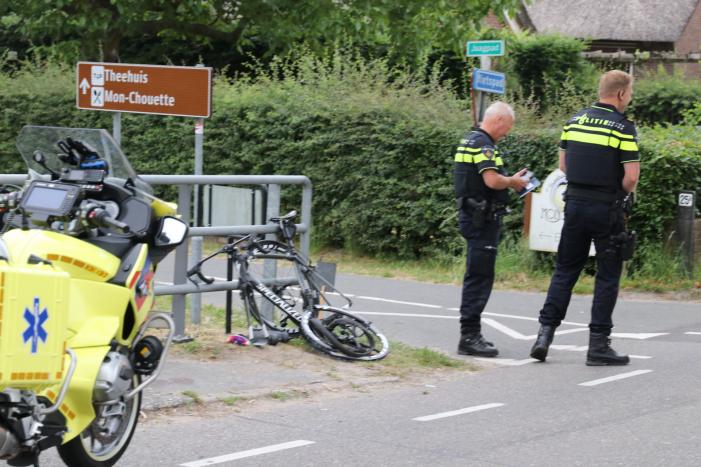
(98, 29)
(546, 64)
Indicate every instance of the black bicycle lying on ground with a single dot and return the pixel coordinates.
(331, 330)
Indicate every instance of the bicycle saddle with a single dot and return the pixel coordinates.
(290, 215)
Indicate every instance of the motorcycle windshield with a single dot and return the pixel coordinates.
(45, 139)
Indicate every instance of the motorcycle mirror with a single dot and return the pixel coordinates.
(171, 232)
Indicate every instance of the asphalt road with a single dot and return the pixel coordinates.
(515, 412)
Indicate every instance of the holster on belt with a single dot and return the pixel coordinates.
(478, 209)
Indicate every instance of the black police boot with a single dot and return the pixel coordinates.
(474, 344)
(542, 343)
(600, 352)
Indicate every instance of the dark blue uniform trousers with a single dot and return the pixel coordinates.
(586, 220)
(479, 272)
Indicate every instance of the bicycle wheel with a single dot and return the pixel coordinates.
(343, 335)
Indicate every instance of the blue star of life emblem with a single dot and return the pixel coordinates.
(35, 329)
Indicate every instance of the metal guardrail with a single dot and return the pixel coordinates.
(185, 184)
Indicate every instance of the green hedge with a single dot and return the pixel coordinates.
(550, 68)
(379, 155)
(671, 161)
(663, 98)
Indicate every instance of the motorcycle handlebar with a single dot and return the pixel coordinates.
(9, 200)
(101, 218)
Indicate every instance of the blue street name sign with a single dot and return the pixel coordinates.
(488, 81)
(485, 48)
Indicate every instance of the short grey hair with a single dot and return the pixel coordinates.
(500, 108)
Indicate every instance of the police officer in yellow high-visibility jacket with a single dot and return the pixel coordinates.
(481, 192)
(599, 155)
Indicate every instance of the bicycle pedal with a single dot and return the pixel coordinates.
(258, 337)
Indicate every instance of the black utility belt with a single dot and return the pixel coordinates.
(594, 195)
(482, 211)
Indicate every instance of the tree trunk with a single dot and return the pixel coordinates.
(111, 46)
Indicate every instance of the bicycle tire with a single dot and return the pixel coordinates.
(369, 345)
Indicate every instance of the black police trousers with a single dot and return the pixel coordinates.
(586, 220)
(479, 272)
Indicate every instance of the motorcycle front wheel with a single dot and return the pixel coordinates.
(106, 439)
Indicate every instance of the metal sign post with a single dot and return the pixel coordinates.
(484, 50)
(196, 252)
(117, 128)
(686, 210)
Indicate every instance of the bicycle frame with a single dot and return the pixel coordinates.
(246, 279)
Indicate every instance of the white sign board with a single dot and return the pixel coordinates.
(224, 206)
(548, 214)
(686, 200)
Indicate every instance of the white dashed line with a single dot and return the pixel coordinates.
(570, 348)
(638, 335)
(249, 453)
(507, 361)
(527, 318)
(693, 333)
(615, 378)
(409, 315)
(398, 302)
(453, 413)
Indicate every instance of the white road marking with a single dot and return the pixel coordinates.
(583, 348)
(517, 335)
(638, 335)
(570, 348)
(410, 315)
(249, 453)
(505, 329)
(336, 293)
(528, 318)
(399, 302)
(615, 378)
(693, 333)
(567, 331)
(507, 361)
(453, 413)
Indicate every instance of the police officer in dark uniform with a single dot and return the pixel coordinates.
(481, 192)
(599, 155)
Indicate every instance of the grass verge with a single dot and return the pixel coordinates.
(518, 268)
(210, 343)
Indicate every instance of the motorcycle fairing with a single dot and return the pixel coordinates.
(77, 406)
(78, 258)
(95, 300)
(140, 283)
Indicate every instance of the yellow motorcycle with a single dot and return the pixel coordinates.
(79, 245)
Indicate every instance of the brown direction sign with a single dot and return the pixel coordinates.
(165, 90)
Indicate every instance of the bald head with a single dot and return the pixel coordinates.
(498, 119)
(499, 109)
